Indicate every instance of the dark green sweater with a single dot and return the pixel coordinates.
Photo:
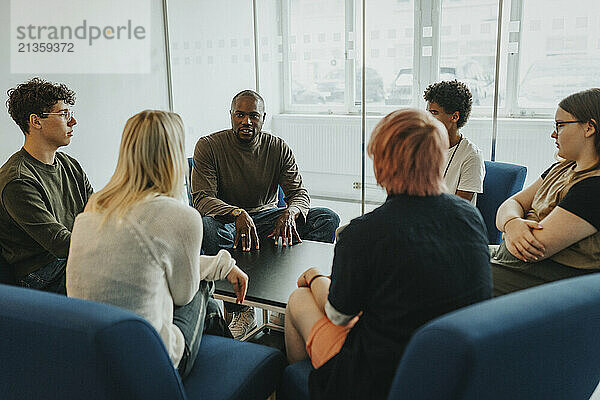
(38, 205)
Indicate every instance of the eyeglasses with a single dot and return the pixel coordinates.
(254, 116)
(68, 115)
(559, 124)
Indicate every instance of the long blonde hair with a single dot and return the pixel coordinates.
(151, 161)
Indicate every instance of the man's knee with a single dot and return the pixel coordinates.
(210, 226)
(215, 236)
(325, 215)
(321, 224)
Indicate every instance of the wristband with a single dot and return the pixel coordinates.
(315, 277)
(504, 226)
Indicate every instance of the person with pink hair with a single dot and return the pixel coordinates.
(421, 254)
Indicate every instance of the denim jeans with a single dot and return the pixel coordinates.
(201, 315)
(320, 226)
(50, 278)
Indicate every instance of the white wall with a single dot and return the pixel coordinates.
(104, 102)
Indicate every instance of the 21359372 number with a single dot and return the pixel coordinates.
(63, 47)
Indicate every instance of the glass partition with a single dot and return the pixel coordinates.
(309, 67)
(212, 59)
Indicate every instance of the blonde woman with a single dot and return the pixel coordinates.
(137, 245)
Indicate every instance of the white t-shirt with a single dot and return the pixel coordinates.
(146, 264)
(466, 169)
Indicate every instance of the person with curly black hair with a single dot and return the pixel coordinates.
(450, 102)
(41, 189)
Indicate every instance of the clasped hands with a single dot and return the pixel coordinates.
(247, 237)
(520, 242)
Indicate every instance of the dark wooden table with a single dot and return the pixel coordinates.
(274, 270)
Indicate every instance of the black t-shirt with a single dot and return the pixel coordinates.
(405, 263)
(582, 199)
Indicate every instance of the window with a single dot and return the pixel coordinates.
(551, 39)
(389, 80)
(309, 69)
(470, 59)
(558, 59)
(318, 77)
(328, 77)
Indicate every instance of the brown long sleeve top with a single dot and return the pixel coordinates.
(228, 174)
(38, 205)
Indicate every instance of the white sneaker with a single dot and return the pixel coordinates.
(242, 323)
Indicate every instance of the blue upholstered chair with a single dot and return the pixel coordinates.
(188, 185)
(539, 343)
(54, 347)
(501, 181)
(280, 196)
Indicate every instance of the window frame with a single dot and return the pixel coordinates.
(427, 13)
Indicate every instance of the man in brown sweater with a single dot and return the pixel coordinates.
(41, 190)
(235, 181)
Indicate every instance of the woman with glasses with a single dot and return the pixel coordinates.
(421, 254)
(551, 227)
(137, 244)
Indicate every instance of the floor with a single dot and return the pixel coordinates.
(271, 338)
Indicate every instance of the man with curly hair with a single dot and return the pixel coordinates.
(450, 102)
(41, 190)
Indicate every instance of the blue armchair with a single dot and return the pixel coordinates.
(540, 343)
(188, 185)
(54, 347)
(501, 181)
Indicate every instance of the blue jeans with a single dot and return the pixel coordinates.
(320, 226)
(50, 278)
(201, 315)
